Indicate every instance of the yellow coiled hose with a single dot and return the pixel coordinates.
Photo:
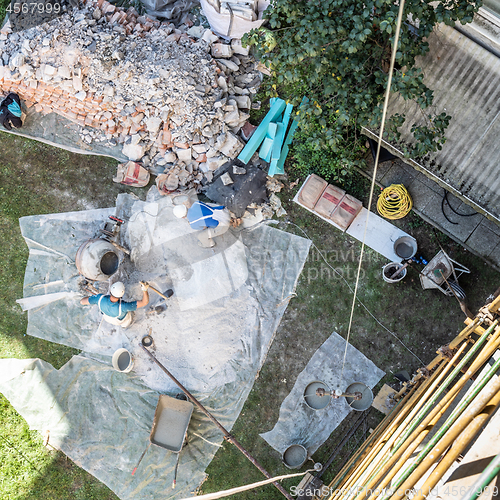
(394, 202)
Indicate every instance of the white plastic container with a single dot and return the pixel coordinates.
(122, 360)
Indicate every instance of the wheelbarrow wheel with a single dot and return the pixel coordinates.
(455, 287)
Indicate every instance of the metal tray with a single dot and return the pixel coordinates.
(170, 423)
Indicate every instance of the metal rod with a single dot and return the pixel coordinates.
(464, 333)
(484, 479)
(231, 439)
(174, 482)
(142, 456)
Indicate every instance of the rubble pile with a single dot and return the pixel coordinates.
(176, 98)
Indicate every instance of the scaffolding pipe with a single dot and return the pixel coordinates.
(379, 452)
(472, 351)
(379, 464)
(376, 435)
(458, 447)
(484, 479)
(465, 333)
(434, 416)
(460, 417)
(398, 459)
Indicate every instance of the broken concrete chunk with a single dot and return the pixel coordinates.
(199, 148)
(64, 72)
(228, 64)
(197, 31)
(50, 70)
(216, 162)
(221, 50)
(183, 154)
(16, 61)
(239, 170)
(238, 47)
(153, 124)
(231, 146)
(77, 83)
(209, 37)
(133, 152)
(170, 157)
(108, 90)
(226, 179)
(221, 81)
(243, 101)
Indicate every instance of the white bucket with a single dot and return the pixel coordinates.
(122, 360)
(389, 269)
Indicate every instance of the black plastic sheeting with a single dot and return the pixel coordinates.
(246, 188)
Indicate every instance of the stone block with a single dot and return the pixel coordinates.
(133, 152)
(183, 154)
(221, 50)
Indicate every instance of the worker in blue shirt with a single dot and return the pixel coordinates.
(115, 310)
(211, 220)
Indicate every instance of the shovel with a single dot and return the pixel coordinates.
(168, 293)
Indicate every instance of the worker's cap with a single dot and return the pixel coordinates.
(117, 289)
(180, 211)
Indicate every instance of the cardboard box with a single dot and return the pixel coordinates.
(329, 200)
(311, 191)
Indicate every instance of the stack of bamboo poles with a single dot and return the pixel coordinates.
(395, 460)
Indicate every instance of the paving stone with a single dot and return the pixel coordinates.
(483, 240)
(492, 226)
(461, 231)
(428, 182)
(420, 194)
(396, 175)
(494, 256)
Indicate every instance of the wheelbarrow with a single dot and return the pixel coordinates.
(442, 272)
(170, 424)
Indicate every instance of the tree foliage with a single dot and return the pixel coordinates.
(337, 52)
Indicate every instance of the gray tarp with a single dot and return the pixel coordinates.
(213, 337)
(300, 424)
